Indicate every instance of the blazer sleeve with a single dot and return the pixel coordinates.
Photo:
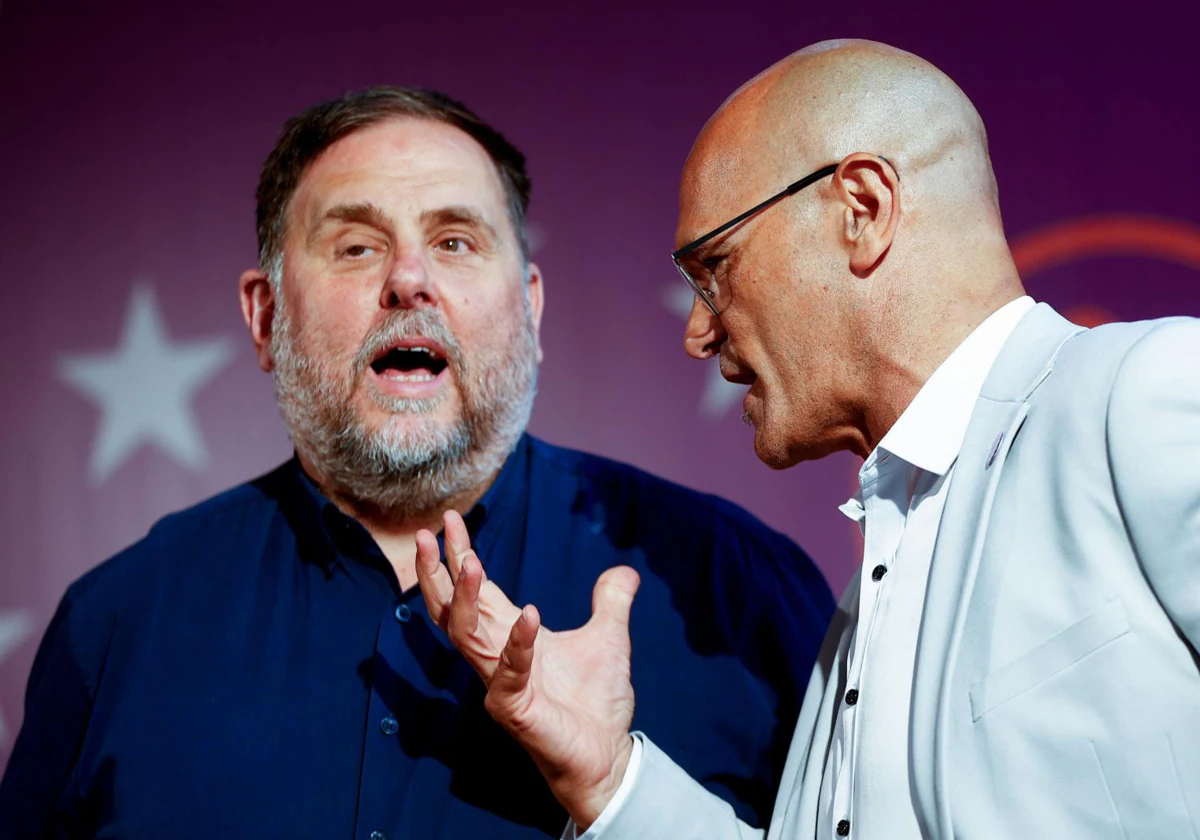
(665, 802)
(1154, 452)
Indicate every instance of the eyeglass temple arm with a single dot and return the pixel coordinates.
(790, 189)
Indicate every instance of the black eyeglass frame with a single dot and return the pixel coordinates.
(791, 189)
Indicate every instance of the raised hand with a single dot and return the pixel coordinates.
(564, 696)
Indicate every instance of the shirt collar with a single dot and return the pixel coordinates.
(345, 535)
(501, 501)
(930, 432)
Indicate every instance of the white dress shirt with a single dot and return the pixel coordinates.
(903, 483)
(865, 792)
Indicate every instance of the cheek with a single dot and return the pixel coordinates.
(326, 341)
(486, 320)
(333, 326)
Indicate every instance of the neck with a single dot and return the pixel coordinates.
(920, 344)
(395, 531)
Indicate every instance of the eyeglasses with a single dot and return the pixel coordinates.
(716, 295)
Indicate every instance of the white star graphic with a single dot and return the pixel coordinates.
(719, 394)
(144, 389)
(15, 627)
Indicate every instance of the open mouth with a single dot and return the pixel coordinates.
(411, 361)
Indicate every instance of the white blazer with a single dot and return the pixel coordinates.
(1057, 683)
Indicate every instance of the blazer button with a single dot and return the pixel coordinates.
(843, 828)
(878, 572)
(852, 697)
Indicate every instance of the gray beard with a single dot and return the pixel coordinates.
(402, 474)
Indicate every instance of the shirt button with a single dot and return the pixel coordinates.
(388, 726)
(403, 613)
(878, 572)
(843, 828)
(378, 835)
(852, 697)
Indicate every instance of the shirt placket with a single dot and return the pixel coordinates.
(386, 773)
(880, 539)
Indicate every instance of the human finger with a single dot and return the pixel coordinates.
(612, 597)
(463, 622)
(436, 587)
(516, 660)
(457, 539)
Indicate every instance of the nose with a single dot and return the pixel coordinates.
(409, 285)
(704, 333)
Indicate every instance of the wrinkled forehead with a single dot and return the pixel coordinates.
(402, 165)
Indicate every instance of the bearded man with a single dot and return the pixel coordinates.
(263, 665)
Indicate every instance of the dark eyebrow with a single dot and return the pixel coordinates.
(459, 214)
(363, 213)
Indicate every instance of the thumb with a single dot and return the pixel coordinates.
(613, 596)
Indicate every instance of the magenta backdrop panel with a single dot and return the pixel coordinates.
(131, 136)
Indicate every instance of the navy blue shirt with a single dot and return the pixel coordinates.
(252, 669)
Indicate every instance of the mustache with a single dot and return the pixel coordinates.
(407, 324)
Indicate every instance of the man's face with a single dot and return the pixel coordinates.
(783, 329)
(405, 337)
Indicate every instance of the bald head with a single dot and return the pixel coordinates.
(832, 99)
(839, 302)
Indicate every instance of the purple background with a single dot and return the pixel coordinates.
(131, 135)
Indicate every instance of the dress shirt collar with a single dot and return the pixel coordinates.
(345, 535)
(930, 432)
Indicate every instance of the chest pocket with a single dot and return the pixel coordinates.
(1030, 670)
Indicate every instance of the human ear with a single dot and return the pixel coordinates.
(257, 297)
(869, 188)
(537, 300)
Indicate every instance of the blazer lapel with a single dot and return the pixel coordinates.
(1026, 360)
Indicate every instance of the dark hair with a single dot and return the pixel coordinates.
(312, 131)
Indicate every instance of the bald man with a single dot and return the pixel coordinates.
(1018, 657)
